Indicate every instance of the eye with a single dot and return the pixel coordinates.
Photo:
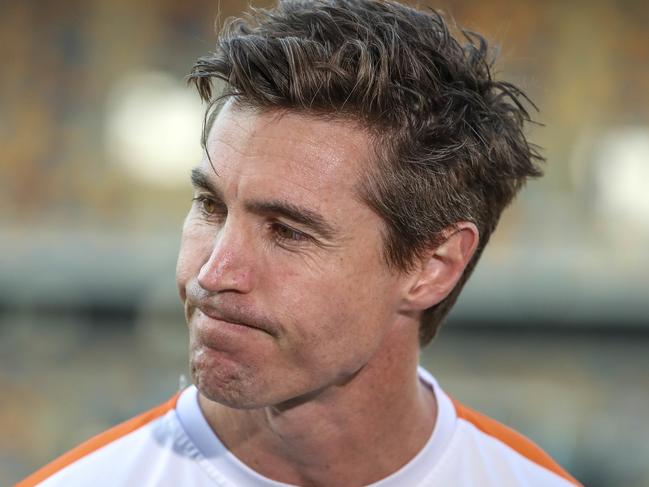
(282, 232)
(207, 205)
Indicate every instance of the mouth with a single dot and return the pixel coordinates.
(231, 319)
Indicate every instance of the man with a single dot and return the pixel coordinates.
(355, 165)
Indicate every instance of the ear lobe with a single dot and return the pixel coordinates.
(443, 267)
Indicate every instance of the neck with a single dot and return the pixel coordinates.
(351, 434)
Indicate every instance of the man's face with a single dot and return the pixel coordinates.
(280, 268)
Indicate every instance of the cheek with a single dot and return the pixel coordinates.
(333, 303)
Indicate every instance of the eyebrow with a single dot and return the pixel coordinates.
(298, 214)
(201, 181)
(303, 216)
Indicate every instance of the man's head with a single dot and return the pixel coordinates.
(447, 139)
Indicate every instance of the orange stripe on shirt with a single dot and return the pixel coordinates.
(511, 438)
(97, 442)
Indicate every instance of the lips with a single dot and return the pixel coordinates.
(226, 309)
(215, 315)
(233, 317)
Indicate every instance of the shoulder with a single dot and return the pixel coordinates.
(477, 450)
(99, 453)
(504, 453)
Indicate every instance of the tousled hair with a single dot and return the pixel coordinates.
(450, 143)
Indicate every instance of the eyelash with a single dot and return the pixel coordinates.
(201, 200)
(277, 228)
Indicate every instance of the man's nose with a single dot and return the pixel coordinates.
(229, 266)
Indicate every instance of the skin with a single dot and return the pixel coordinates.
(303, 342)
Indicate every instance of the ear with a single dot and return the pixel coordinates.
(442, 267)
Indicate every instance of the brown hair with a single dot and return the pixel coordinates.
(450, 141)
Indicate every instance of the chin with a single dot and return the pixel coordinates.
(226, 383)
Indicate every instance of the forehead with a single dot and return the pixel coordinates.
(294, 150)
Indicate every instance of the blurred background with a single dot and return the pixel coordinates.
(98, 132)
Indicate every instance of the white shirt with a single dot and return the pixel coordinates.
(173, 445)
